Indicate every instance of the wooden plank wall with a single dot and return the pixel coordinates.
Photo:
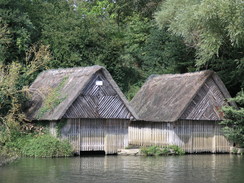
(206, 103)
(98, 102)
(116, 135)
(107, 135)
(192, 136)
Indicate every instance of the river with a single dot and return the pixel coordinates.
(106, 169)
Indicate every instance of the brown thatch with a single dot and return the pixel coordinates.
(68, 85)
(166, 97)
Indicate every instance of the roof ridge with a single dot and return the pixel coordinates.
(153, 76)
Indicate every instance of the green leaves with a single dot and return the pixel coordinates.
(234, 121)
(162, 151)
(42, 146)
(13, 78)
(209, 26)
(46, 146)
(19, 29)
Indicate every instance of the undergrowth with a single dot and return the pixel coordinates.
(31, 145)
(162, 151)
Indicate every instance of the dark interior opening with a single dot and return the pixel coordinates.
(92, 153)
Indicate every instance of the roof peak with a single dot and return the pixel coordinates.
(75, 68)
(205, 72)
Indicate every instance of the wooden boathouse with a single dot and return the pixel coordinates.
(86, 104)
(183, 110)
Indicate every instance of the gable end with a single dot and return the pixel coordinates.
(206, 104)
(98, 100)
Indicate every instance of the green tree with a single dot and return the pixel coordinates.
(164, 53)
(234, 122)
(214, 28)
(19, 29)
(14, 87)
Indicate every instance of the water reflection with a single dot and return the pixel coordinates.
(182, 169)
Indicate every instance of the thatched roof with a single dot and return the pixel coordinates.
(68, 84)
(165, 97)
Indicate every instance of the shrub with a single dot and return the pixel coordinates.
(233, 125)
(46, 146)
(176, 149)
(159, 151)
(38, 146)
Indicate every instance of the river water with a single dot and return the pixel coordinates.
(106, 169)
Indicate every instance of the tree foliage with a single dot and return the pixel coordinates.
(214, 28)
(234, 122)
(14, 87)
(19, 30)
(123, 36)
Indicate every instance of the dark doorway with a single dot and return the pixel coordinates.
(92, 153)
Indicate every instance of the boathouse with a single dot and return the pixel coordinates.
(183, 110)
(85, 105)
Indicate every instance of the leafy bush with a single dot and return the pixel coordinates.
(46, 146)
(234, 121)
(159, 151)
(38, 146)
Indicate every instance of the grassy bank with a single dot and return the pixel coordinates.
(33, 145)
(40, 146)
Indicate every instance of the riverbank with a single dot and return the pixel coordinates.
(152, 151)
(6, 160)
(129, 152)
(237, 150)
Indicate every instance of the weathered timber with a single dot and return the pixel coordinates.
(98, 102)
(206, 104)
(107, 135)
(192, 136)
(181, 109)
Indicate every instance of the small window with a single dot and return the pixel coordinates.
(99, 83)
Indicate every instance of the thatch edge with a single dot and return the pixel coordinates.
(209, 74)
(223, 89)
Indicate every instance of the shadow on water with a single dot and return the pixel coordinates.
(101, 169)
(92, 153)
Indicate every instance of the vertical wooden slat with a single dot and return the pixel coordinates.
(192, 136)
(96, 134)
